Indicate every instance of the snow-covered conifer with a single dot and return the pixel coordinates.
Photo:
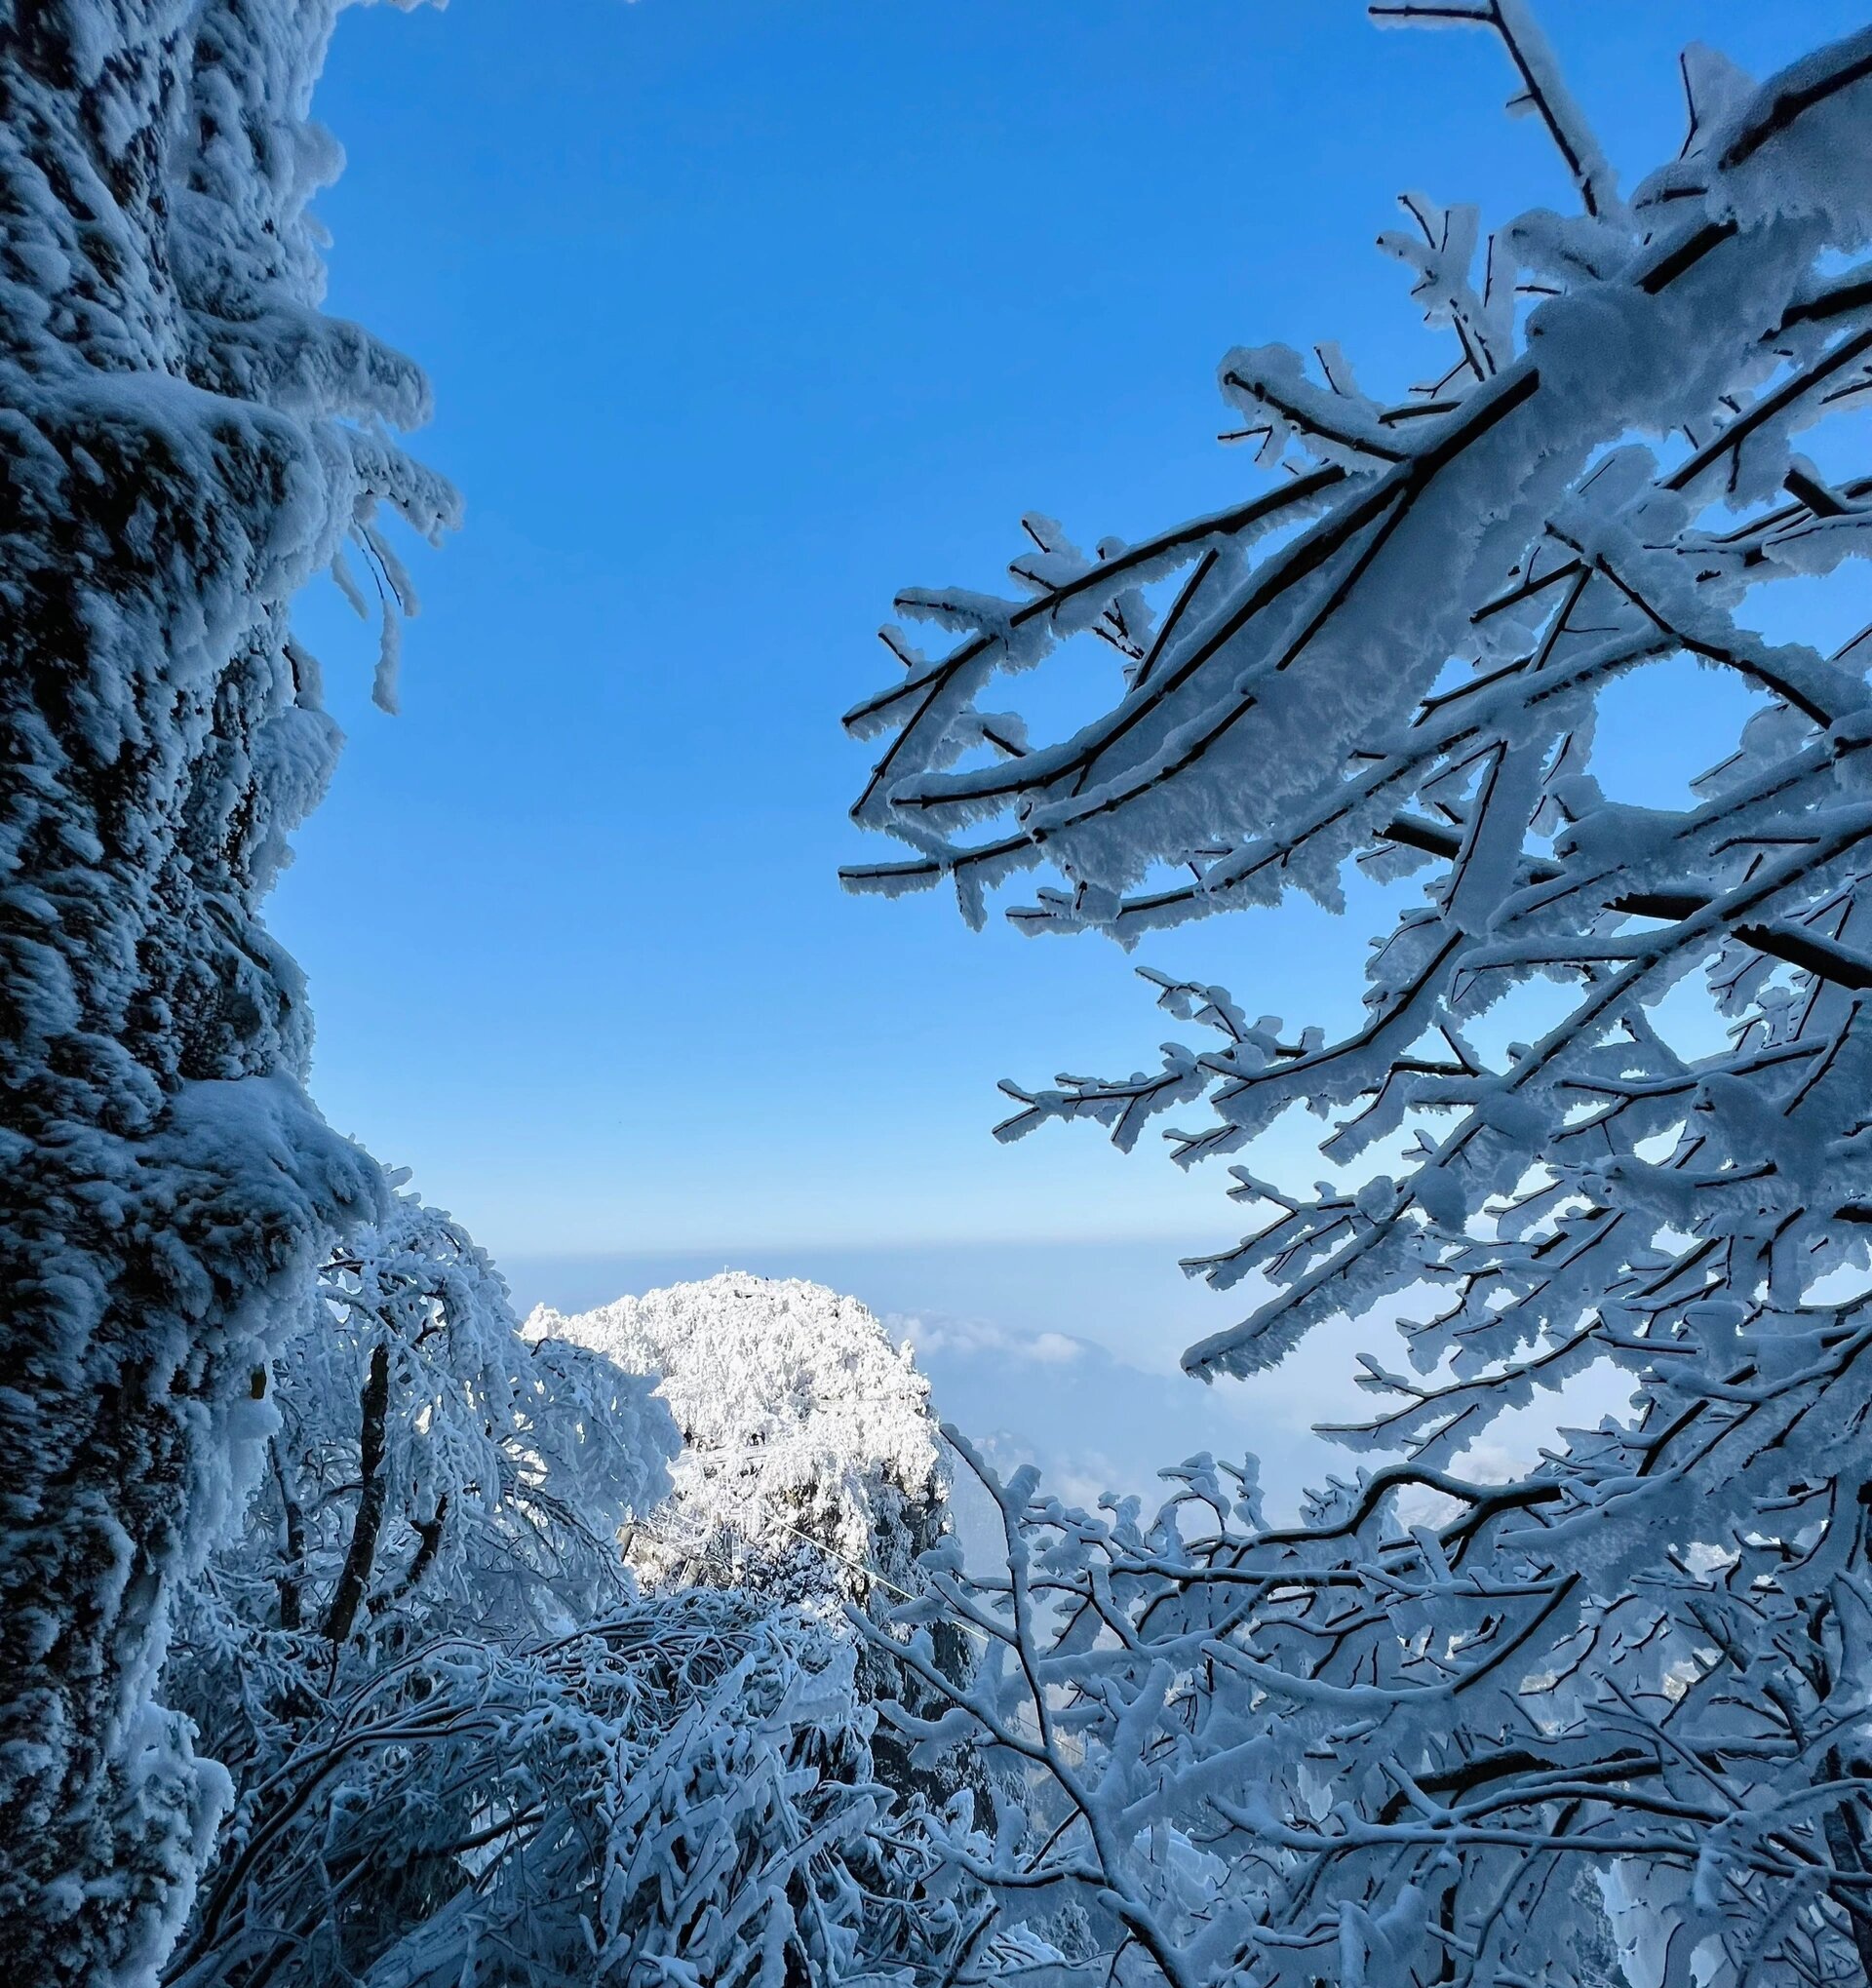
(187, 438)
(1400, 1739)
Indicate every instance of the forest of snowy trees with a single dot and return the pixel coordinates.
(355, 1635)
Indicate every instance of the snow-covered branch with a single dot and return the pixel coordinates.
(1482, 1715)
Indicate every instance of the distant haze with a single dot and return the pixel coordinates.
(1064, 1354)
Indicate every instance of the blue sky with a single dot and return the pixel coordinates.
(742, 316)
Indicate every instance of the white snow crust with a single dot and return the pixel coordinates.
(799, 1418)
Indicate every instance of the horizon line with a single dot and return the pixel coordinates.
(1051, 1240)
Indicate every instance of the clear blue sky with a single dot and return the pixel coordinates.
(741, 316)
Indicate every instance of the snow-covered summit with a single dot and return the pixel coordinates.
(805, 1429)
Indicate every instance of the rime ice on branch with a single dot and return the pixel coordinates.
(458, 1729)
(187, 439)
(1394, 1741)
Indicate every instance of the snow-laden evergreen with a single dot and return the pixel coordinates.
(1413, 1737)
(187, 438)
(811, 1464)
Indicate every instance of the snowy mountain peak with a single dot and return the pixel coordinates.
(811, 1459)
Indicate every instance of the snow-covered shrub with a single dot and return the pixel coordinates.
(674, 1792)
(431, 1470)
(465, 1745)
(1411, 1736)
(184, 439)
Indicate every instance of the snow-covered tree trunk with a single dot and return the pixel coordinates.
(186, 440)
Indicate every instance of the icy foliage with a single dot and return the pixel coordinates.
(1413, 1737)
(810, 1478)
(677, 1792)
(431, 1470)
(465, 1747)
(809, 1463)
(186, 440)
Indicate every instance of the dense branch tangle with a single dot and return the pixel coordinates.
(1394, 1739)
